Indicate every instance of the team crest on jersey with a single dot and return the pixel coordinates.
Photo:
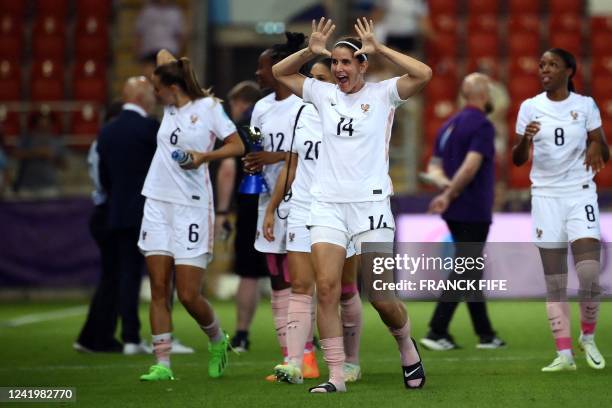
(194, 119)
(365, 107)
(574, 115)
(291, 236)
(539, 233)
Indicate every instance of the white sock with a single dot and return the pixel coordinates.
(567, 353)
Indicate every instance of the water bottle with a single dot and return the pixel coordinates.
(182, 157)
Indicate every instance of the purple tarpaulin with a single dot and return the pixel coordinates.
(47, 244)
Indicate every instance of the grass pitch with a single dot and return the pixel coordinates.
(40, 354)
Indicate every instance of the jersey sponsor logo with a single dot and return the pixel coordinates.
(539, 233)
(190, 249)
(379, 191)
(365, 107)
(195, 197)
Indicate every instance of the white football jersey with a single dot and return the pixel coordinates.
(275, 119)
(559, 147)
(194, 126)
(353, 161)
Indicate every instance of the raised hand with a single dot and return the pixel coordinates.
(320, 34)
(365, 30)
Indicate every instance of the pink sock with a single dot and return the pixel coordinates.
(162, 346)
(213, 331)
(588, 316)
(299, 324)
(406, 348)
(333, 354)
(313, 316)
(588, 276)
(280, 307)
(558, 317)
(350, 314)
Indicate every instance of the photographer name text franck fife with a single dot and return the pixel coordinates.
(435, 285)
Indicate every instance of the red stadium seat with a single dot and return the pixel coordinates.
(601, 66)
(10, 80)
(89, 81)
(486, 23)
(602, 87)
(446, 45)
(12, 7)
(47, 83)
(522, 87)
(567, 41)
(601, 24)
(54, 8)
(447, 69)
(518, 177)
(486, 65)
(479, 7)
(566, 6)
(443, 7)
(84, 127)
(9, 122)
(441, 89)
(523, 22)
(100, 8)
(92, 38)
(444, 23)
(483, 45)
(524, 66)
(524, 44)
(567, 23)
(605, 108)
(435, 116)
(11, 31)
(49, 38)
(600, 43)
(524, 7)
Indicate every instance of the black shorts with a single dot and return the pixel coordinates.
(249, 262)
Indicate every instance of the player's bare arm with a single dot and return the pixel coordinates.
(287, 70)
(522, 150)
(598, 151)
(417, 74)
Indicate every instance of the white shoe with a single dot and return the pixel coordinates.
(561, 363)
(180, 348)
(81, 348)
(352, 372)
(130, 349)
(593, 356)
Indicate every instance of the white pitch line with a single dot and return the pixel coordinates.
(43, 317)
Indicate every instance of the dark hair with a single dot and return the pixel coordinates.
(295, 41)
(570, 62)
(181, 73)
(247, 91)
(356, 42)
(321, 60)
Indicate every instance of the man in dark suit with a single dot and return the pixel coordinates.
(126, 147)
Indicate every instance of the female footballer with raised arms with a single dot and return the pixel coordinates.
(352, 186)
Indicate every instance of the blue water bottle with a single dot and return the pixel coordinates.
(182, 157)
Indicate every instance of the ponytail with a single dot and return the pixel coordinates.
(181, 73)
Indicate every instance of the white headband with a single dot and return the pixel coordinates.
(353, 46)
